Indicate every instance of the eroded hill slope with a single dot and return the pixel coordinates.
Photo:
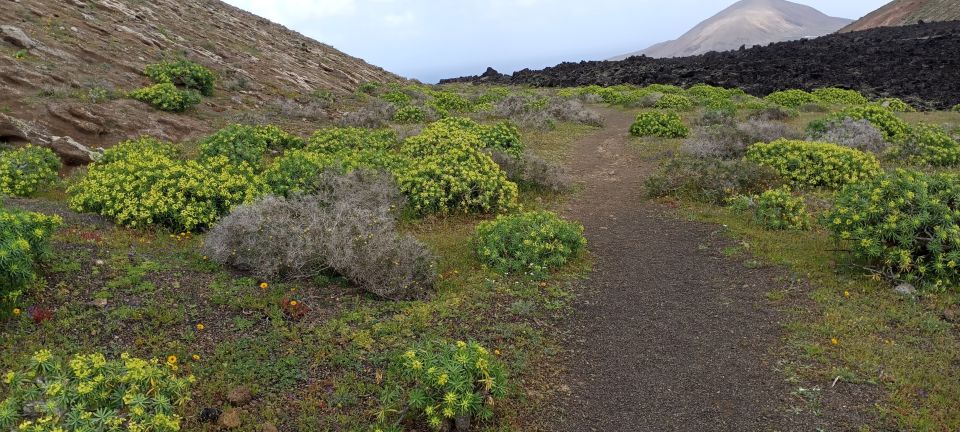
(66, 64)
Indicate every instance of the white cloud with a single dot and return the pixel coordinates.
(401, 19)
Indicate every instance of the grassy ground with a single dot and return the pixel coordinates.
(846, 327)
(317, 367)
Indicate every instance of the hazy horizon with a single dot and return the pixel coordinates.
(429, 40)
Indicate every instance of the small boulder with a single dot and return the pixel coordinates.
(71, 151)
(239, 396)
(905, 289)
(16, 36)
(230, 419)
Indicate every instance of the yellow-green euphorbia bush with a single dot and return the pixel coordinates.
(26, 170)
(93, 393)
(150, 186)
(815, 164)
(24, 240)
(904, 225)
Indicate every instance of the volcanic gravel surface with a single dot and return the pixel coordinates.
(919, 63)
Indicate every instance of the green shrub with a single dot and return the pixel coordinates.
(368, 88)
(183, 73)
(167, 97)
(791, 98)
(956, 108)
(659, 124)
(904, 225)
(398, 98)
(24, 240)
(441, 382)
(775, 209)
(26, 170)
(150, 187)
(839, 96)
(296, 172)
(446, 171)
(245, 143)
(674, 102)
(409, 114)
(896, 105)
(528, 243)
(493, 95)
(893, 129)
(503, 136)
(448, 103)
(710, 180)
(927, 145)
(714, 97)
(92, 393)
(813, 164)
(662, 88)
(354, 148)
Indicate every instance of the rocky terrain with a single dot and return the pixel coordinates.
(905, 12)
(917, 63)
(748, 22)
(66, 65)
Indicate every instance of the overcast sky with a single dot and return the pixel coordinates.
(433, 39)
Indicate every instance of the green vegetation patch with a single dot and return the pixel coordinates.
(815, 164)
(26, 170)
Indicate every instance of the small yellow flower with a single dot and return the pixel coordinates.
(496, 352)
(846, 293)
(172, 360)
(196, 357)
(264, 285)
(834, 341)
(293, 303)
(16, 311)
(200, 326)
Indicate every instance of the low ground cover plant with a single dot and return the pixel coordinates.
(528, 243)
(26, 170)
(347, 225)
(24, 243)
(140, 183)
(775, 209)
(93, 393)
(815, 164)
(903, 225)
(448, 385)
(659, 124)
(710, 180)
(896, 105)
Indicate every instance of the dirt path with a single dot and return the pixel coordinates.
(671, 335)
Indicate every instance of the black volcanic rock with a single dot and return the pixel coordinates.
(918, 63)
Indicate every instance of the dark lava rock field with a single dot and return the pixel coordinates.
(919, 63)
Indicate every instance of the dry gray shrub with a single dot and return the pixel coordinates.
(520, 110)
(294, 109)
(772, 113)
(857, 134)
(376, 114)
(726, 141)
(812, 107)
(533, 170)
(348, 226)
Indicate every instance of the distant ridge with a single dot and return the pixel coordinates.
(906, 12)
(747, 23)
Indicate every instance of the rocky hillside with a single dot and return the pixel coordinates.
(66, 66)
(748, 23)
(918, 63)
(905, 12)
